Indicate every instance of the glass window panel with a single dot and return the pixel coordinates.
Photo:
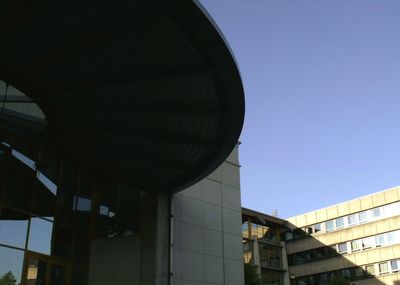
(380, 240)
(288, 236)
(363, 217)
(320, 252)
(36, 272)
(329, 226)
(396, 236)
(13, 228)
(245, 226)
(323, 277)
(24, 159)
(4, 157)
(65, 196)
(44, 202)
(383, 268)
(345, 273)
(391, 209)
(82, 211)
(299, 258)
(50, 185)
(395, 264)
(339, 223)
(62, 242)
(317, 228)
(356, 245)
(352, 220)
(11, 263)
(343, 247)
(368, 242)
(83, 206)
(359, 272)
(29, 109)
(40, 233)
(377, 212)
(390, 237)
(19, 185)
(370, 269)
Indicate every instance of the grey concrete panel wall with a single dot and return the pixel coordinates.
(207, 240)
(115, 261)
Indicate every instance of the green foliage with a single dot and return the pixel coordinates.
(8, 279)
(251, 276)
(338, 281)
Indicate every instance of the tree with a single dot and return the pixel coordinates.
(338, 281)
(8, 279)
(251, 276)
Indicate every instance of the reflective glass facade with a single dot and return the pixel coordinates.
(262, 248)
(47, 223)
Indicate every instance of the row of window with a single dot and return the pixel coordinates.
(354, 273)
(355, 219)
(392, 237)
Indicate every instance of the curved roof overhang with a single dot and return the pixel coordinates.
(142, 90)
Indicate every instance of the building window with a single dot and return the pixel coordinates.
(339, 223)
(395, 265)
(342, 247)
(330, 226)
(383, 268)
(317, 228)
(245, 230)
(356, 245)
(392, 209)
(358, 272)
(370, 269)
(393, 237)
(363, 217)
(377, 212)
(308, 230)
(380, 240)
(345, 273)
(352, 220)
(288, 236)
(323, 277)
(368, 242)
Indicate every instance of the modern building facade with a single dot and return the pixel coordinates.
(358, 240)
(107, 112)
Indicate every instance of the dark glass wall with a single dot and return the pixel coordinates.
(51, 211)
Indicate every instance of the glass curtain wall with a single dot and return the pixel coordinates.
(47, 222)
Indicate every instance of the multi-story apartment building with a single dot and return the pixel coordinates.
(358, 240)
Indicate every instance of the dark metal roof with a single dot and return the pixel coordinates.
(142, 90)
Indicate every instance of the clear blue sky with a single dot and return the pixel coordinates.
(322, 84)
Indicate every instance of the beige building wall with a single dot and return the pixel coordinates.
(353, 206)
(375, 226)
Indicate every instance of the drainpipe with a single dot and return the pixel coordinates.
(171, 240)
